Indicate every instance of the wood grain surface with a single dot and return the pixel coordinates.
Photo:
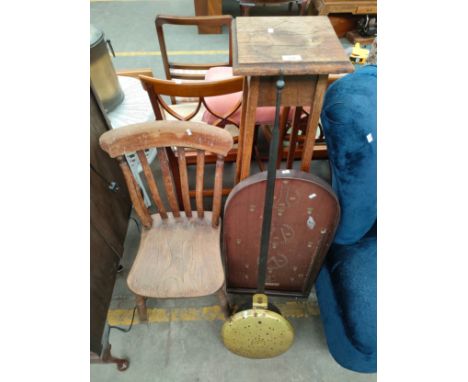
(141, 136)
(291, 45)
(356, 7)
(178, 257)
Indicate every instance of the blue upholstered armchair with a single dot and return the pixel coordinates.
(347, 284)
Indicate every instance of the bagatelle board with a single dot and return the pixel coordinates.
(304, 219)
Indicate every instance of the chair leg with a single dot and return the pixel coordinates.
(141, 308)
(282, 133)
(224, 301)
(293, 137)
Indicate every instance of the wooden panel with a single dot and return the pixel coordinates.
(366, 10)
(298, 91)
(141, 136)
(103, 268)
(107, 167)
(109, 212)
(106, 211)
(178, 258)
(298, 45)
(324, 7)
(305, 216)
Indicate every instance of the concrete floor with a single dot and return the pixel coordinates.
(188, 347)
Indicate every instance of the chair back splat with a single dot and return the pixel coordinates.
(164, 135)
(204, 93)
(198, 91)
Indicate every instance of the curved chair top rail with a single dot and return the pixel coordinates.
(142, 136)
(193, 88)
(194, 20)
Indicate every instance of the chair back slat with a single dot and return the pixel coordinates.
(168, 182)
(193, 89)
(176, 75)
(196, 137)
(135, 194)
(184, 181)
(152, 184)
(218, 190)
(199, 182)
(200, 21)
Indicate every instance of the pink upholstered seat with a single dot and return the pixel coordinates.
(222, 104)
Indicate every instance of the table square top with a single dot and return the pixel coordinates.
(292, 45)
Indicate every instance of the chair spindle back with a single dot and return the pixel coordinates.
(164, 135)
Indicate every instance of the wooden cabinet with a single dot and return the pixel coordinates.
(110, 209)
(356, 7)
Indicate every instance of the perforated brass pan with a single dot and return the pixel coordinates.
(258, 332)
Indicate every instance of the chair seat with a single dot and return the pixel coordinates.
(223, 104)
(178, 257)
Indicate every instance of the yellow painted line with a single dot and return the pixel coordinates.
(120, 1)
(173, 53)
(123, 317)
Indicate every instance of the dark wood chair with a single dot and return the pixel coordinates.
(189, 71)
(204, 93)
(179, 253)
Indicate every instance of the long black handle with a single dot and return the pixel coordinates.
(269, 192)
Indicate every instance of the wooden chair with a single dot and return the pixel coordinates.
(186, 71)
(204, 94)
(245, 5)
(179, 253)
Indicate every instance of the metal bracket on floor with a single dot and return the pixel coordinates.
(106, 356)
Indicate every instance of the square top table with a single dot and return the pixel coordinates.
(305, 49)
